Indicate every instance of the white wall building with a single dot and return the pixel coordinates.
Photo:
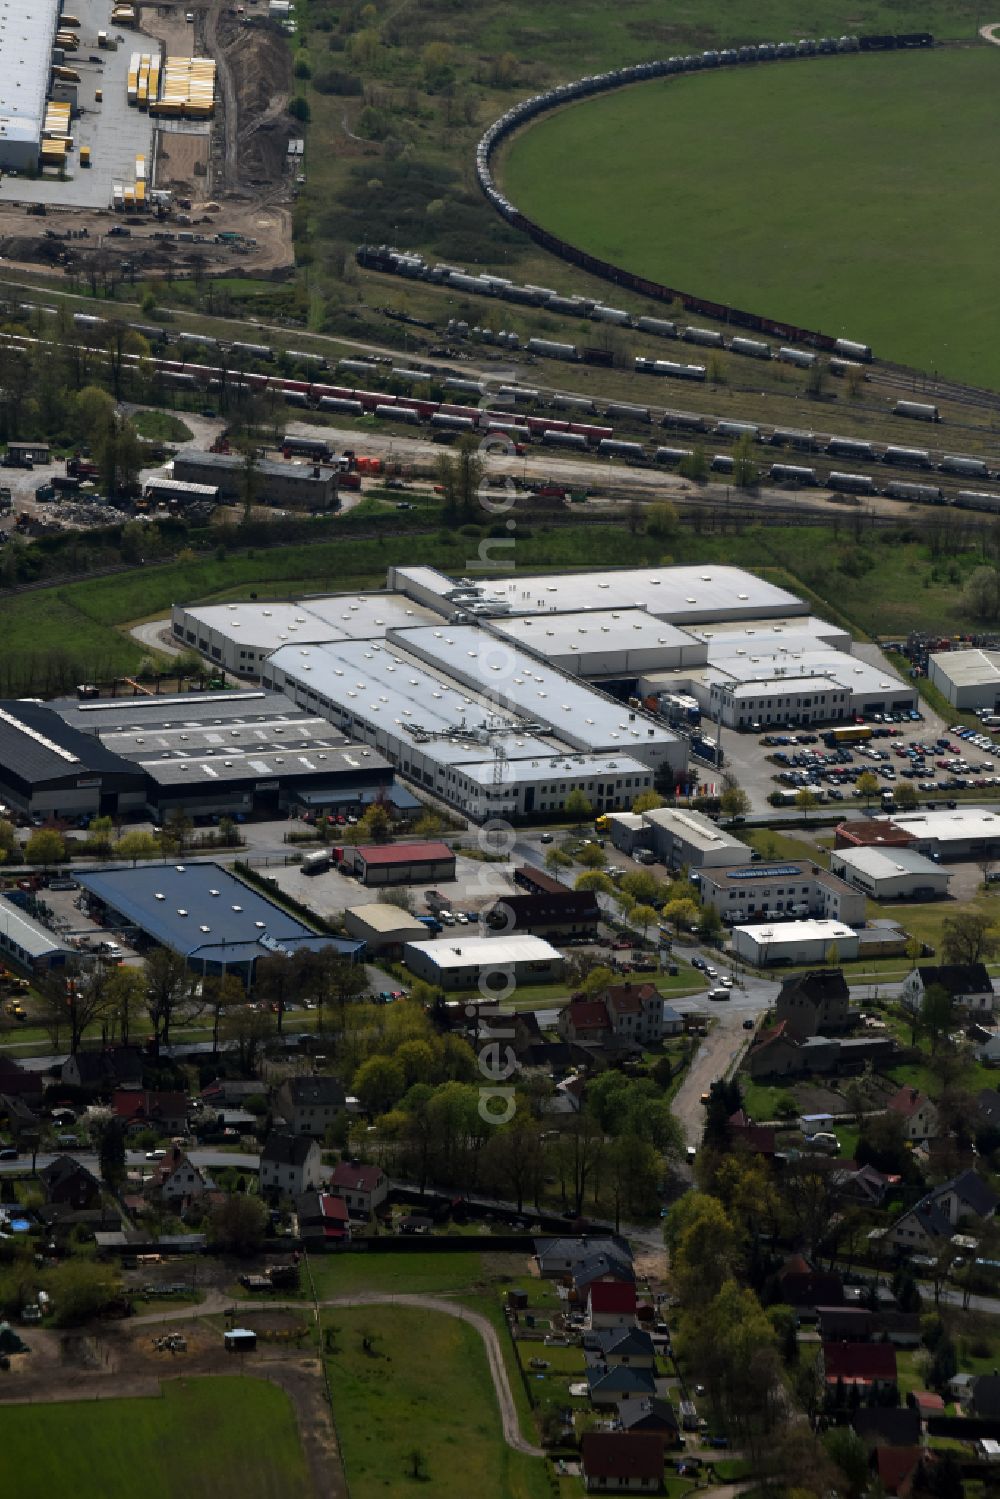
(689, 838)
(459, 962)
(968, 679)
(794, 942)
(953, 833)
(761, 892)
(890, 873)
(27, 36)
(605, 642)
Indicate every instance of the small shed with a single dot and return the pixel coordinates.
(240, 1340)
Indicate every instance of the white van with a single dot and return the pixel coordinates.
(825, 1142)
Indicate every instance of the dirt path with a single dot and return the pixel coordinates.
(230, 119)
(712, 1060)
(989, 33)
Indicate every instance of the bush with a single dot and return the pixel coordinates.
(299, 109)
(335, 81)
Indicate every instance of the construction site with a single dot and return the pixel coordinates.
(141, 122)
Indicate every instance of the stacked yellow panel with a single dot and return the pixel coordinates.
(133, 78)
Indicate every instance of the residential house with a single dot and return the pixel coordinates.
(622, 1462)
(984, 1397)
(19, 1082)
(926, 1403)
(558, 1258)
(611, 1303)
(138, 1109)
(321, 1220)
(649, 1413)
(310, 1104)
(897, 1468)
(290, 1165)
(673, 1021)
(902, 1329)
(603, 1267)
(113, 1067)
(960, 1387)
(585, 1020)
(545, 907)
(635, 1012)
(363, 1188)
(814, 1003)
(777, 1053)
(756, 1139)
(918, 1114)
(845, 1324)
(968, 985)
(70, 1184)
(520, 1032)
(607, 1384)
(231, 1092)
(807, 1289)
(935, 1219)
(864, 1184)
(886, 1426)
(177, 1179)
(628, 1346)
(24, 1124)
(865, 1366)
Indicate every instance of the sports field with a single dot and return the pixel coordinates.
(858, 195)
(224, 1438)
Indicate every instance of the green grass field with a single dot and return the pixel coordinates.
(856, 195)
(424, 1385)
(223, 1438)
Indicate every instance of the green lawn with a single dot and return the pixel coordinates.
(463, 1270)
(162, 424)
(796, 191)
(223, 1438)
(423, 1385)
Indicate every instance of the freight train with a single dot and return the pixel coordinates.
(600, 83)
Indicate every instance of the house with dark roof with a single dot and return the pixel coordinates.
(649, 1413)
(968, 985)
(865, 1366)
(935, 1219)
(69, 1184)
(918, 1114)
(17, 1081)
(984, 1396)
(607, 1267)
(558, 1258)
(622, 1462)
(23, 1123)
(864, 1184)
(805, 1288)
(755, 1139)
(635, 1012)
(629, 1346)
(362, 1188)
(814, 1003)
(290, 1165)
(178, 1180)
(309, 1104)
(545, 907)
(611, 1303)
(886, 1426)
(607, 1384)
(322, 1220)
(111, 1067)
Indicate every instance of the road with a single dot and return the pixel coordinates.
(242, 1160)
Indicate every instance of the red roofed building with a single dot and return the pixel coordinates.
(611, 1303)
(322, 1219)
(623, 1462)
(874, 832)
(758, 1139)
(919, 1115)
(140, 1109)
(635, 1012)
(585, 1020)
(867, 1365)
(400, 863)
(897, 1467)
(363, 1188)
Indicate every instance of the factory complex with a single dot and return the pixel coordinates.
(506, 696)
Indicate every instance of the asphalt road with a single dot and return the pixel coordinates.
(244, 1160)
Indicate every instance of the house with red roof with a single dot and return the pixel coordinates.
(139, 1108)
(868, 1366)
(363, 1188)
(400, 863)
(918, 1114)
(622, 1462)
(611, 1303)
(758, 1139)
(807, 1288)
(322, 1220)
(178, 1180)
(896, 1468)
(585, 1020)
(635, 1012)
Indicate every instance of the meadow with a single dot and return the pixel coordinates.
(224, 1438)
(853, 194)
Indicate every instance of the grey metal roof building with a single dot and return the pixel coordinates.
(48, 766)
(304, 486)
(27, 34)
(26, 941)
(175, 710)
(206, 914)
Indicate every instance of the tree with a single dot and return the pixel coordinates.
(8, 840)
(126, 990)
(681, 914)
(75, 1000)
(111, 1154)
(222, 993)
(578, 805)
(734, 802)
(968, 937)
(846, 1449)
(594, 880)
(867, 786)
(906, 797)
(557, 858)
(274, 982)
(643, 917)
(45, 847)
(379, 1083)
(177, 829)
(80, 1289)
(981, 595)
(745, 471)
(936, 1013)
(169, 985)
(136, 845)
(592, 856)
(661, 519)
(648, 801)
(807, 801)
(249, 1029)
(704, 1248)
(237, 1225)
(597, 980)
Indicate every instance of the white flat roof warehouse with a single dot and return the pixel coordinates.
(680, 594)
(773, 933)
(963, 825)
(462, 952)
